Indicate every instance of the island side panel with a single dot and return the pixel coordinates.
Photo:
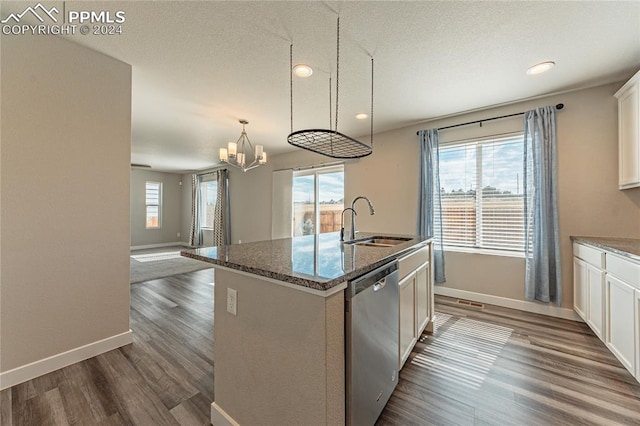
(335, 356)
(277, 360)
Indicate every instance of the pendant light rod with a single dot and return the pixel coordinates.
(291, 83)
(330, 116)
(329, 142)
(371, 116)
(337, 69)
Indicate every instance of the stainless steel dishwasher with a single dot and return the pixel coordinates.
(372, 333)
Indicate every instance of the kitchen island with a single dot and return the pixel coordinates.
(279, 325)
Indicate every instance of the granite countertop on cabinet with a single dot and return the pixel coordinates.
(319, 262)
(627, 247)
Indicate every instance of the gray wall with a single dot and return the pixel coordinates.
(185, 208)
(172, 198)
(64, 167)
(590, 202)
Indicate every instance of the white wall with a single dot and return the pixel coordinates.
(589, 204)
(65, 137)
(250, 204)
(171, 215)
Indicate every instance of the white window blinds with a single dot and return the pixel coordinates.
(482, 193)
(153, 198)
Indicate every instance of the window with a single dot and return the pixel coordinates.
(209, 193)
(153, 201)
(318, 200)
(482, 193)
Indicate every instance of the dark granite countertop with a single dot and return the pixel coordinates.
(318, 262)
(627, 247)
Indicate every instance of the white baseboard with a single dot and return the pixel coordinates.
(522, 305)
(55, 362)
(219, 417)
(149, 246)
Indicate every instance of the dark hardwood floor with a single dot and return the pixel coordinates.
(499, 366)
(490, 366)
(164, 378)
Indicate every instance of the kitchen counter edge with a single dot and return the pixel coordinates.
(308, 282)
(625, 247)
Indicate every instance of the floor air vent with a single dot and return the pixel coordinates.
(470, 303)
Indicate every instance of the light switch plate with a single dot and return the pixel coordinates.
(232, 301)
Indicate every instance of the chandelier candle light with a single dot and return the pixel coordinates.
(234, 154)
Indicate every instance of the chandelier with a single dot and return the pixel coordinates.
(234, 154)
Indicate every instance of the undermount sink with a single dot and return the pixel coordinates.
(379, 241)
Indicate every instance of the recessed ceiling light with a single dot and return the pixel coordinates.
(540, 68)
(362, 116)
(302, 70)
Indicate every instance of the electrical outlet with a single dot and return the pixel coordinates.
(178, 235)
(232, 301)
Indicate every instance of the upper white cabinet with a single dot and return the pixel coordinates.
(629, 133)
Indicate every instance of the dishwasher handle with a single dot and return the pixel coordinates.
(378, 279)
(380, 284)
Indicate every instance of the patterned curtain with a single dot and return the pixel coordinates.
(221, 214)
(195, 233)
(542, 249)
(429, 203)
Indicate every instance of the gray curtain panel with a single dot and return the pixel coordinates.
(195, 233)
(542, 249)
(221, 215)
(430, 202)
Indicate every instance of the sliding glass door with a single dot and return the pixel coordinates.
(318, 200)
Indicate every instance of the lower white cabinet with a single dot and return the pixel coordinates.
(408, 330)
(606, 294)
(621, 307)
(416, 299)
(580, 287)
(595, 297)
(588, 294)
(423, 298)
(637, 337)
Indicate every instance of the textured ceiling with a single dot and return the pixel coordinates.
(198, 67)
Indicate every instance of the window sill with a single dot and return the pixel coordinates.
(488, 252)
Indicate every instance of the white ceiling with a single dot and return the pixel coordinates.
(198, 67)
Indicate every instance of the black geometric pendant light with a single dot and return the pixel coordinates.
(330, 142)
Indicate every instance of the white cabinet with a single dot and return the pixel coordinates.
(629, 133)
(416, 299)
(588, 287)
(607, 296)
(621, 329)
(580, 287)
(637, 337)
(408, 330)
(423, 298)
(595, 297)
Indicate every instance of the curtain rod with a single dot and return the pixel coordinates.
(314, 166)
(210, 171)
(558, 107)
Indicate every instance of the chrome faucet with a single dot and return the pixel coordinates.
(342, 221)
(354, 231)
